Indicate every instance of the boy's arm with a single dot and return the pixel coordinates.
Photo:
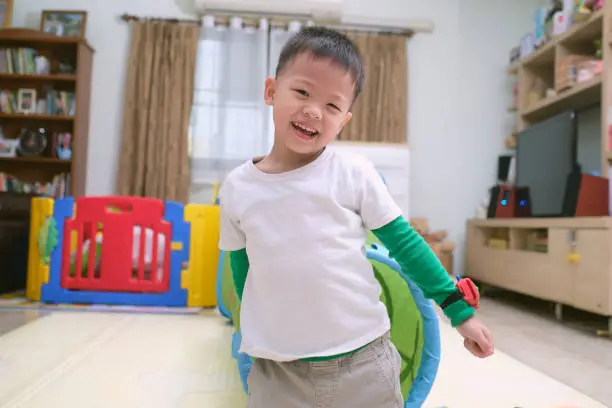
(420, 264)
(240, 267)
(382, 216)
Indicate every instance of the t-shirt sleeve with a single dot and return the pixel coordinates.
(376, 206)
(231, 237)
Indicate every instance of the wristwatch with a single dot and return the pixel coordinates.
(466, 290)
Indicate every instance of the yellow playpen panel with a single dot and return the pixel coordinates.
(38, 272)
(201, 275)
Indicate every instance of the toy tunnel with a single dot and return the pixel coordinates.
(123, 250)
(414, 322)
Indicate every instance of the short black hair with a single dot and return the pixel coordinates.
(324, 42)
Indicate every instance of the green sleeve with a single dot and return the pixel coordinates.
(239, 262)
(421, 265)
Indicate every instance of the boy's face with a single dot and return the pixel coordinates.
(311, 99)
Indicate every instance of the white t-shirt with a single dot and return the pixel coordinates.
(310, 290)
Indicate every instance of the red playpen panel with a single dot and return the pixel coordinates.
(107, 229)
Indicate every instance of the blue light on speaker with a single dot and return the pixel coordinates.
(522, 203)
(504, 202)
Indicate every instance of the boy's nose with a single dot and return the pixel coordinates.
(312, 112)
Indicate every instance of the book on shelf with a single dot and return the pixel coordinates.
(59, 187)
(8, 102)
(18, 61)
(59, 103)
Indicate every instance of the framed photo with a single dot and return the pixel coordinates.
(64, 23)
(26, 101)
(63, 145)
(6, 13)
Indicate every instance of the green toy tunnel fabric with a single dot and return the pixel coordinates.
(414, 322)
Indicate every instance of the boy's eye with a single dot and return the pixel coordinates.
(301, 92)
(333, 106)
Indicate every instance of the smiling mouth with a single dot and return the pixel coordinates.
(305, 130)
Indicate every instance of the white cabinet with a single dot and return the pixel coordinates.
(393, 162)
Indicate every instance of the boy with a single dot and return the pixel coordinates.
(296, 221)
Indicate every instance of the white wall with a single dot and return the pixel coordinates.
(458, 92)
(484, 91)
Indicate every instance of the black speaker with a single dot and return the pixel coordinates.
(503, 168)
(509, 202)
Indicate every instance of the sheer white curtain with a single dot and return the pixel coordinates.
(278, 37)
(230, 121)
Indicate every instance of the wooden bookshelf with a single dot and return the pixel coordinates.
(563, 260)
(543, 66)
(72, 85)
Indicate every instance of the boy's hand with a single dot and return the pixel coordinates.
(476, 338)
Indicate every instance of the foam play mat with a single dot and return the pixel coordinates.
(496, 382)
(120, 360)
(179, 361)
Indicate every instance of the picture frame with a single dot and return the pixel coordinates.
(6, 13)
(63, 145)
(64, 23)
(26, 101)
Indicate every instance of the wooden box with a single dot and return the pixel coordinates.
(566, 70)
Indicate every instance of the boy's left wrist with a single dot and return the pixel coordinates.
(459, 312)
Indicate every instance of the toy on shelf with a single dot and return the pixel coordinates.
(123, 251)
(437, 242)
(414, 323)
(584, 8)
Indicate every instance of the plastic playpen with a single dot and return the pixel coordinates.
(123, 251)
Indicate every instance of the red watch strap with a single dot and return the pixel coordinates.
(470, 292)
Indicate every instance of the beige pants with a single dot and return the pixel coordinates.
(368, 378)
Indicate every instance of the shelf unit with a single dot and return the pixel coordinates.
(42, 169)
(566, 261)
(541, 66)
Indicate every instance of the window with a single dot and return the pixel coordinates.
(230, 122)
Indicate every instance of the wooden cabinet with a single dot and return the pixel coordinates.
(590, 272)
(563, 260)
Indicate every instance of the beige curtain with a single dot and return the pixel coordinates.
(154, 158)
(380, 113)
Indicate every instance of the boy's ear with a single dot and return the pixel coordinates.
(269, 90)
(346, 120)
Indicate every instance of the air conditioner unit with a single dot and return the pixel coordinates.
(321, 10)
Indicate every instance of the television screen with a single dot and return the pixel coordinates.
(545, 157)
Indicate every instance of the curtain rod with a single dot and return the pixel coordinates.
(223, 19)
(129, 17)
